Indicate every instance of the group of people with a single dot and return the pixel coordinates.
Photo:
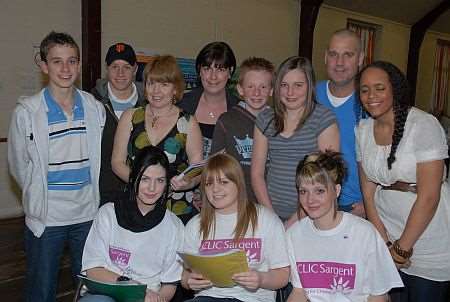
(336, 188)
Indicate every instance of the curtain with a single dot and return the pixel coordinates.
(439, 94)
(367, 34)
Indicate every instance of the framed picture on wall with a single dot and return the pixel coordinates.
(187, 66)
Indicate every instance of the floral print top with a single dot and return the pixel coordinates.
(174, 146)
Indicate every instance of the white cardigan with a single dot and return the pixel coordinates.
(28, 152)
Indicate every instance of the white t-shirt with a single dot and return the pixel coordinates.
(121, 105)
(347, 263)
(334, 100)
(149, 257)
(423, 140)
(266, 250)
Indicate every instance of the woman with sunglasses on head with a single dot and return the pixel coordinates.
(228, 220)
(401, 152)
(137, 238)
(335, 256)
(162, 124)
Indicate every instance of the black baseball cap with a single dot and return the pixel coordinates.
(121, 51)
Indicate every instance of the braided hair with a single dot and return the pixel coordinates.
(401, 101)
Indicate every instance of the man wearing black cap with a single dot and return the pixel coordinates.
(117, 92)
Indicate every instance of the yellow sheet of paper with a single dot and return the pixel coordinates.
(218, 268)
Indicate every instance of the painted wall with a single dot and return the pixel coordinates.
(426, 67)
(392, 45)
(267, 28)
(177, 27)
(331, 19)
(24, 25)
(182, 28)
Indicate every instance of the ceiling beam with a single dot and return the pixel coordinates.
(309, 9)
(91, 33)
(416, 36)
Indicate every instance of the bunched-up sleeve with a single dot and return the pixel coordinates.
(192, 236)
(276, 241)
(172, 263)
(17, 141)
(96, 248)
(430, 142)
(361, 136)
(325, 118)
(294, 277)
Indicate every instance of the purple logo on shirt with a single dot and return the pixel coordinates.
(251, 246)
(119, 256)
(339, 277)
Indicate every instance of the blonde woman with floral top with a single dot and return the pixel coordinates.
(162, 124)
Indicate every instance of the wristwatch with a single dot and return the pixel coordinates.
(123, 278)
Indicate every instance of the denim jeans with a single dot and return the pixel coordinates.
(418, 289)
(212, 299)
(43, 257)
(96, 298)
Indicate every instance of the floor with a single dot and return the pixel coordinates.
(12, 264)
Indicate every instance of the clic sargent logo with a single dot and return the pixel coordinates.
(325, 274)
(251, 246)
(119, 256)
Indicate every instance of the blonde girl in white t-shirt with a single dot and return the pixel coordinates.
(227, 220)
(335, 256)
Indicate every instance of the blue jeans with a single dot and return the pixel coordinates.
(95, 298)
(43, 257)
(418, 289)
(212, 299)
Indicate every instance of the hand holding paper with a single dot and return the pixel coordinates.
(196, 281)
(250, 280)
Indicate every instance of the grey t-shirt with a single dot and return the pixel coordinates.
(285, 153)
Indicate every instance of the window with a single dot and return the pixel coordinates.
(367, 33)
(439, 94)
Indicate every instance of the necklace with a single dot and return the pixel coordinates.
(155, 117)
(209, 109)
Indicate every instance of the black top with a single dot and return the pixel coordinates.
(111, 186)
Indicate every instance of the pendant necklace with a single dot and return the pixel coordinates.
(154, 120)
(155, 117)
(211, 113)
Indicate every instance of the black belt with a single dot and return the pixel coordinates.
(402, 186)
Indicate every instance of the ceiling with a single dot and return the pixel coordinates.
(402, 11)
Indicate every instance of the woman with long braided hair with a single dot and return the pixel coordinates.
(401, 152)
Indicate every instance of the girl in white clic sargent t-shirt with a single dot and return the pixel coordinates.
(229, 221)
(335, 256)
